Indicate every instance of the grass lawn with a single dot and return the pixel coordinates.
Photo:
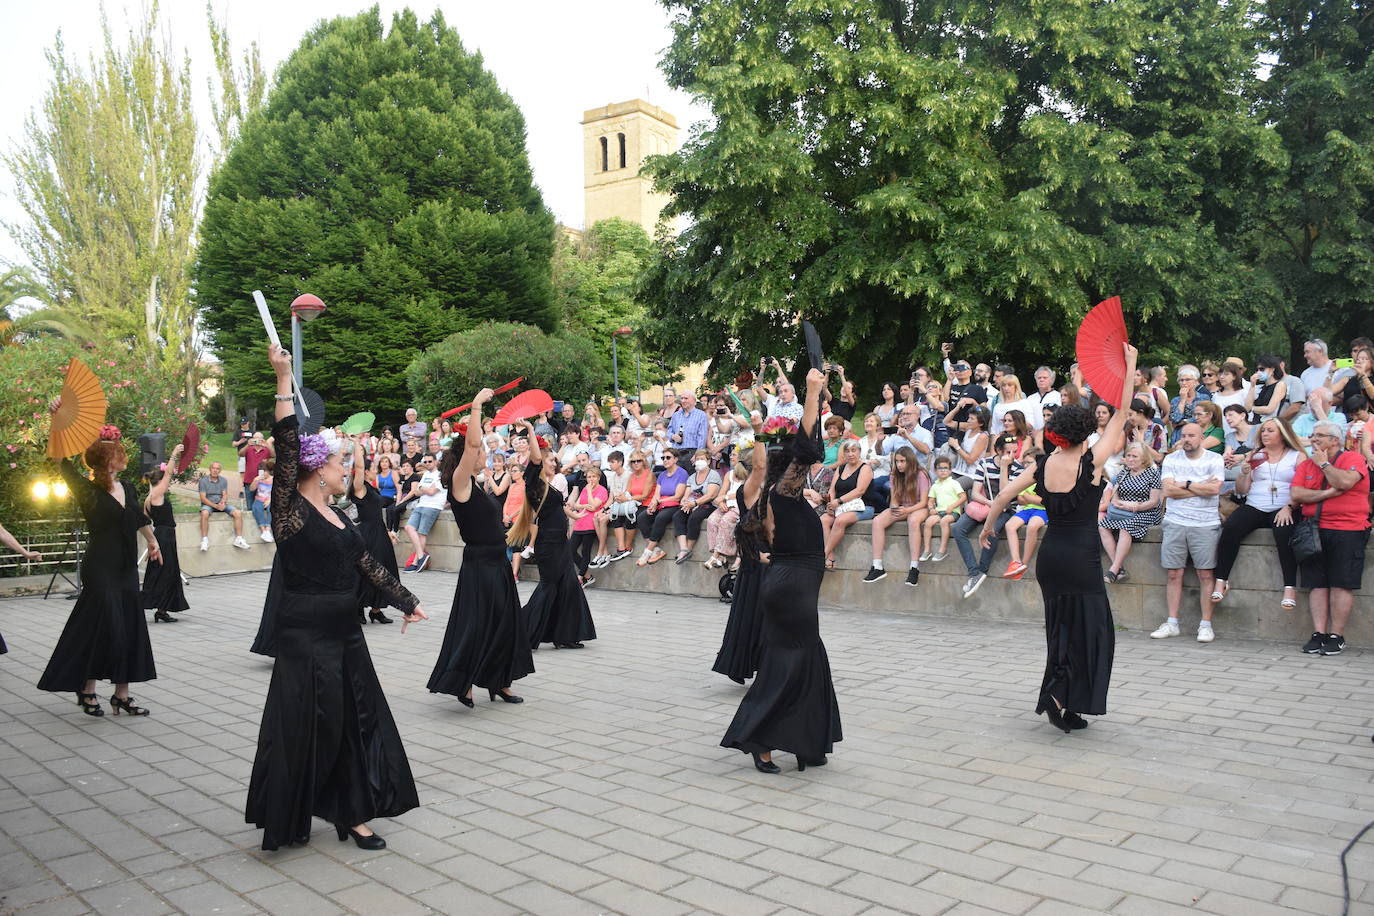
(221, 450)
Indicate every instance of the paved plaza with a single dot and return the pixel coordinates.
(1226, 779)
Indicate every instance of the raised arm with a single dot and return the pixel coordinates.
(460, 484)
(358, 480)
(758, 470)
(1111, 433)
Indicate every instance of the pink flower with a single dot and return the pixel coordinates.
(13, 465)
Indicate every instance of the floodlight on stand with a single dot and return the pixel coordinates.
(40, 491)
(59, 489)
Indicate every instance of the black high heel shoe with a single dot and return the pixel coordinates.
(378, 616)
(372, 841)
(804, 762)
(163, 617)
(1074, 720)
(126, 705)
(90, 704)
(568, 645)
(466, 701)
(765, 766)
(1056, 717)
(505, 697)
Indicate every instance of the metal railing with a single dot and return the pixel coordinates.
(57, 539)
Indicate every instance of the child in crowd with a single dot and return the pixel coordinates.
(1032, 517)
(945, 502)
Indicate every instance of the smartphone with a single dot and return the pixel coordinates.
(1345, 363)
(557, 406)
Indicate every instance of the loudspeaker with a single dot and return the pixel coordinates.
(152, 451)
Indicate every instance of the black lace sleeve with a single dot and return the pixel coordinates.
(288, 507)
(378, 575)
(81, 487)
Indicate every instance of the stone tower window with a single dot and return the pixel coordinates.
(605, 156)
(622, 150)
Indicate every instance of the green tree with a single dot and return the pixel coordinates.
(106, 174)
(450, 372)
(902, 173)
(1311, 224)
(387, 174)
(20, 323)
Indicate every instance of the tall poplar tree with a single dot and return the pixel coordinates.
(387, 174)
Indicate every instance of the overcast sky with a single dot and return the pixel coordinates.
(555, 58)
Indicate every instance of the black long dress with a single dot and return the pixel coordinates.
(162, 589)
(742, 644)
(372, 526)
(106, 636)
(265, 642)
(1080, 639)
(557, 612)
(791, 704)
(328, 746)
(486, 643)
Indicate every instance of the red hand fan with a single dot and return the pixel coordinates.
(190, 447)
(1101, 358)
(468, 406)
(523, 406)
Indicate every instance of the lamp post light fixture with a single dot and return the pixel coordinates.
(615, 355)
(305, 307)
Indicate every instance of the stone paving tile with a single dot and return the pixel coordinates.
(1207, 789)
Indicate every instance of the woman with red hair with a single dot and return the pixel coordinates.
(106, 636)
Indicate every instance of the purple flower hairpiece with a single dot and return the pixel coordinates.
(314, 452)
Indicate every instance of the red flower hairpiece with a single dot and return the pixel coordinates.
(1058, 440)
(110, 433)
(461, 429)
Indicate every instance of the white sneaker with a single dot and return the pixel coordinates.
(204, 544)
(266, 536)
(1166, 629)
(240, 543)
(1205, 634)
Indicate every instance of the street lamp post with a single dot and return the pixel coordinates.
(615, 354)
(303, 308)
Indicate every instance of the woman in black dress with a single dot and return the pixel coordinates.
(372, 526)
(485, 643)
(738, 657)
(1079, 636)
(106, 636)
(791, 704)
(265, 641)
(328, 746)
(162, 590)
(557, 612)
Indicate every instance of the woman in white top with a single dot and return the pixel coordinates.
(1266, 479)
(1231, 389)
(1011, 397)
(871, 446)
(969, 449)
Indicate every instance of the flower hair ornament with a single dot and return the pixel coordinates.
(110, 433)
(314, 452)
(1058, 440)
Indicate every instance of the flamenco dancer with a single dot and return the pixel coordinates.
(1079, 636)
(162, 589)
(106, 636)
(328, 746)
(486, 643)
(12, 543)
(377, 541)
(791, 704)
(738, 657)
(557, 612)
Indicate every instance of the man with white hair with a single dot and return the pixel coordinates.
(687, 428)
(784, 403)
(1321, 371)
(1045, 395)
(1335, 483)
(413, 433)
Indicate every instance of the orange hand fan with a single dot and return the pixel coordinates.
(77, 422)
(523, 406)
(1101, 358)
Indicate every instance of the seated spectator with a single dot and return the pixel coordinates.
(1240, 435)
(994, 472)
(252, 454)
(1030, 515)
(497, 480)
(1017, 427)
(1011, 397)
(591, 416)
(944, 505)
(886, 412)
(1192, 478)
(433, 443)
(703, 486)
(1208, 416)
(1102, 414)
(1130, 508)
(816, 489)
(1361, 379)
(1268, 390)
(727, 431)
(390, 449)
(1210, 383)
(1141, 428)
(628, 504)
(445, 434)
(662, 509)
(1041, 443)
(1231, 389)
(430, 499)
(658, 445)
(906, 507)
(615, 443)
(846, 504)
(1335, 481)
(262, 498)
(1150, 385)
(720, 527)
(971, 446)
(1359, 427)
(214, 497)
(872, 452)
(834, 432)
(1265, 480)
(911, 433)
(1189, 394)
(388, 487)
(582, 509)
(1044, 394)
(569, 447)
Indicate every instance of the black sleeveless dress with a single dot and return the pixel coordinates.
(1080, 638)
(106, 636)
(328, 746)
(372, 526)
(791, 704)
(557, 612)
(742, 644)
(162, 589)
(485, 643)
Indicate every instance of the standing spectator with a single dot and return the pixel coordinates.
(887, 410)
(430, 499)
(1333, 487)
(965, 395)
(689, 427)
(1151, 385)
(1130, 507)
(241, 440)
(1189, 394)
(846, 505)
(1192, 480)
(214, 497)
(413, 433)
(994, 472)
(615, 444)
(843, 405)
(911, 433)
(252, 454)
(663, 508)
(1361, 379)
(1044, 394)
(1013, 398)
(785, 403)
(1210, 383)
(906, 506)
(703, 486)
(1268, 390)
(1266, 481)
(1321, 371)
(1142, 429)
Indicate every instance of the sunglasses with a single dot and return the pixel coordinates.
(1209, 375)
(636, 461)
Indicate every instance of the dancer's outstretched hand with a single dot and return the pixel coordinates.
(413, 617)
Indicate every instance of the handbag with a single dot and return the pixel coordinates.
(1118, 514)
(1306, 539)
(851, 505)
(977, 511)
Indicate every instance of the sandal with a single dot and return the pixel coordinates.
(1288, 603)
(656, 556)
(682, 557)
(1219, 590)
(1109, 577)
(126, 704)
(829, 562)
(89, 703)
(642, 561)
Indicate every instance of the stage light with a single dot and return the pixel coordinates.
(59, 489)
(40, 490)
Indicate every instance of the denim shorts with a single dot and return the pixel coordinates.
(422, 519)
